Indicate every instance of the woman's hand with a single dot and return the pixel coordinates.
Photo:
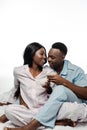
(22, 102)
(1, 104)
(48, 88)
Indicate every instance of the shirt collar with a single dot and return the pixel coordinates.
(65, 68)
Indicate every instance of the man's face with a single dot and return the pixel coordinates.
(55, 58)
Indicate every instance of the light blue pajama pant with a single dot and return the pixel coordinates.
(48, 113)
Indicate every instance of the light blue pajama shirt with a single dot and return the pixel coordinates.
(48, 113)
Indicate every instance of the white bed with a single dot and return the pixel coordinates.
(6, 83)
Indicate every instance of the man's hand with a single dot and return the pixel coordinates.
(57, 79)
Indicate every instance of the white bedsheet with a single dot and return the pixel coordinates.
(6, 83)
(80, 126)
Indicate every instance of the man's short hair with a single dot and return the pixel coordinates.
(61, 46)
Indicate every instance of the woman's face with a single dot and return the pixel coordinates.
(40, 57)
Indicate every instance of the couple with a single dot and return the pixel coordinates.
(42, 94)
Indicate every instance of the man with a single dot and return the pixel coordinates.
(71, 86)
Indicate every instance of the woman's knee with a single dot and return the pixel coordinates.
(9, 110)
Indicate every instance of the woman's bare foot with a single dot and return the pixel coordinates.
(33, 125)
(3, 118)
(5, 128)
(66, 122)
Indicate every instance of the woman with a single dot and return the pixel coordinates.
(30, 81)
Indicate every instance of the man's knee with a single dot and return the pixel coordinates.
(59, 93)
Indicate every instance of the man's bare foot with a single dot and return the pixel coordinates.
(66, 122)
(3, 118)
(33, 125)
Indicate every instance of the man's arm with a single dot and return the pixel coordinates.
(81, 92)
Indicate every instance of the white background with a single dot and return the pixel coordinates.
(43, 21)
